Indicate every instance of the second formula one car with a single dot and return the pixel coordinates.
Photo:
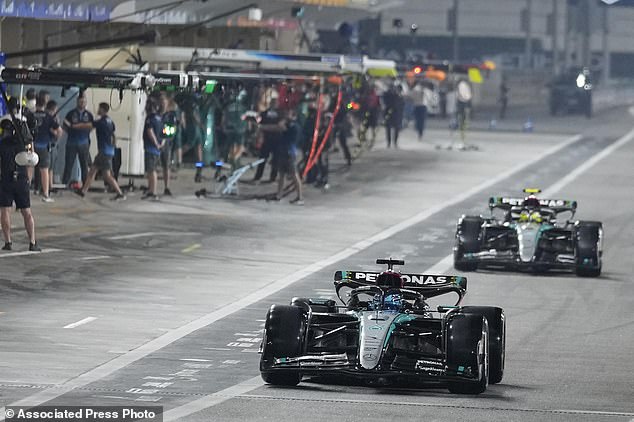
(386, 333)
(529, 235)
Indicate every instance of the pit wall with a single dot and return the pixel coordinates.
(531, 89)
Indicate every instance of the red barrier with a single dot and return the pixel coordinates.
(310, 163)
(315, 136)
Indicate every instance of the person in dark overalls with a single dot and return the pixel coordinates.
(14, 186)
(269, 118)
(394, 107)
(78, 123)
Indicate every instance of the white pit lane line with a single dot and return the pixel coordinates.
(221, 396)
(24, 253)
(149, 234)
(212, 399)
(80, 322)
(170, 337)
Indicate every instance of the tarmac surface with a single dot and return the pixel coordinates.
(163, 303)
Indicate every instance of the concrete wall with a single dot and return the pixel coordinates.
(612, 96)
(531, 89)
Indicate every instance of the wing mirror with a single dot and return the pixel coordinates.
(445, 308)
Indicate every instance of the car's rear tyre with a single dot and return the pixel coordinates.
(467, 348)
(467, 241)
(588, 248)
(284, 334)
(497, 338)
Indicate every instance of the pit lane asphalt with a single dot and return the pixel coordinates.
(556, 323)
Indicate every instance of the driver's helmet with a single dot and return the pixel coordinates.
(531, 202)
(536, 217)
(390, 279)
(393, 302)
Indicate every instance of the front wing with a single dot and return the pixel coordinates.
(424, 370)
(509, 259)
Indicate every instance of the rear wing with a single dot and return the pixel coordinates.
(426, 284)
(507, 203)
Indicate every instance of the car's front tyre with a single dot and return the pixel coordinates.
(468, 352)
(497, 338)
(588, 248)
(284, 334)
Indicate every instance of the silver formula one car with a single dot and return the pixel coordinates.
(385, 333)
(530, 235)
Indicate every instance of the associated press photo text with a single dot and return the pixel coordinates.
(84, 413)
